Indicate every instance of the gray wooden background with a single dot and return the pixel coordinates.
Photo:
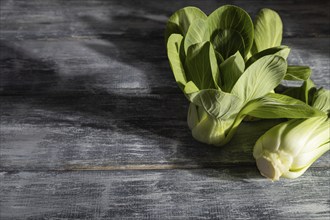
(93, 125)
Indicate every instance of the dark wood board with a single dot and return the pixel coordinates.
(223, 193)
(108, 132)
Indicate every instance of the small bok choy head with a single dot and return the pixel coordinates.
(225, 73)
(290, 148)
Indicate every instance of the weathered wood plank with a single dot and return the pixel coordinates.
(63, 132)
(121, 65)
(61, 19)
(229, 193)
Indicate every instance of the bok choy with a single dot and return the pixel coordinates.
(228, 68)
(290, 148)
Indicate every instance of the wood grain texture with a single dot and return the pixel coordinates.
(61, 19)
(93, 126)
(226, 193)
(40, 133)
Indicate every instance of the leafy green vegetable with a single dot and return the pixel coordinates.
(209, 59)
(222, 108)
(290, 148)
(224, 111)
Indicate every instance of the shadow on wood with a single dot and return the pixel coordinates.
(20, 72)
(158, 117)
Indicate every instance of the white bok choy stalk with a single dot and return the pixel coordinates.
(290, 148)
(223, 79)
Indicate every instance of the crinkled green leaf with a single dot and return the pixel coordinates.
(298, 73)
(282, 51)
(230, 71)
(173, 53)
(180, 21)
(227, 42)
(275, 105)
(231, 17)
(304, 93)
(322, 100)
(260, 78)
(197, 33)
(268, 30)
(218, 104)
(201, 64)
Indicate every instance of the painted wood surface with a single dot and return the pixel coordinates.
(93, 125)
(222, 193)
(108, 132)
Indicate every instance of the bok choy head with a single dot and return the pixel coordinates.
(290, 148)
(228, 68)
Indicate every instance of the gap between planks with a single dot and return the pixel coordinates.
(155, 167)
(139, 167)
(142, 167)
